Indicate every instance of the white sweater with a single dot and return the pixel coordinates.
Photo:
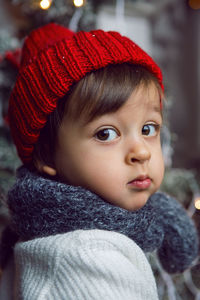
(79, 265)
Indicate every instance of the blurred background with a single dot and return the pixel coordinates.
(169, 30)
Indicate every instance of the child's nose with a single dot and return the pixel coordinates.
(139, 152)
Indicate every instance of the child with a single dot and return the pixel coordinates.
(85, 115)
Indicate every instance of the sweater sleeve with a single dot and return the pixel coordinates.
(97, 265)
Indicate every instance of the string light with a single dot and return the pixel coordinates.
(78, 3)
(45, 4)
(197, 202)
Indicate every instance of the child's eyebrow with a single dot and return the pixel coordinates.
(158, 109)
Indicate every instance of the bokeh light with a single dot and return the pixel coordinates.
(195, 4)
(78, 3)
(45, 4)
(197, 203)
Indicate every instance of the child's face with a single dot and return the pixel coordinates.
(118, 155)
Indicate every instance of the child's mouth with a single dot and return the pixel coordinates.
(141, 182)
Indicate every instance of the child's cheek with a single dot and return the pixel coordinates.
(159, 169)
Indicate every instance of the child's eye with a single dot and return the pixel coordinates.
(150, 129)
(107, 134)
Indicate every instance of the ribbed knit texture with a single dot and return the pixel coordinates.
(83, 265)
(41, 207)
(53, 58)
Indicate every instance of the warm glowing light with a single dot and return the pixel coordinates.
(197, 203)
(195, 4)
(78, 3)
(45, 4)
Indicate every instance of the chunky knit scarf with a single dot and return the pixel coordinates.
(41, 207)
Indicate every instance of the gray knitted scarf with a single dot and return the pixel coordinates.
(40, 207)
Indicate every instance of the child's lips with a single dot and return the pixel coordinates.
(141, 182)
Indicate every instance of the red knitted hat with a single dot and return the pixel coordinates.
(53, 58)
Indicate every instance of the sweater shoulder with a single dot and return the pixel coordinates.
(63, 244)
(85, 263)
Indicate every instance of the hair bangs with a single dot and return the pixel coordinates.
(104, 91)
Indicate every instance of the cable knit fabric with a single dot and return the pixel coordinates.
(82, 265)
(42, 207)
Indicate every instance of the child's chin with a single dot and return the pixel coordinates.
(134, 206)
(139, 201)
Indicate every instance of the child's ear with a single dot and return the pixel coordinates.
(49, 170)
(43, 168)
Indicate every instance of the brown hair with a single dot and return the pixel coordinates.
(102, 91)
